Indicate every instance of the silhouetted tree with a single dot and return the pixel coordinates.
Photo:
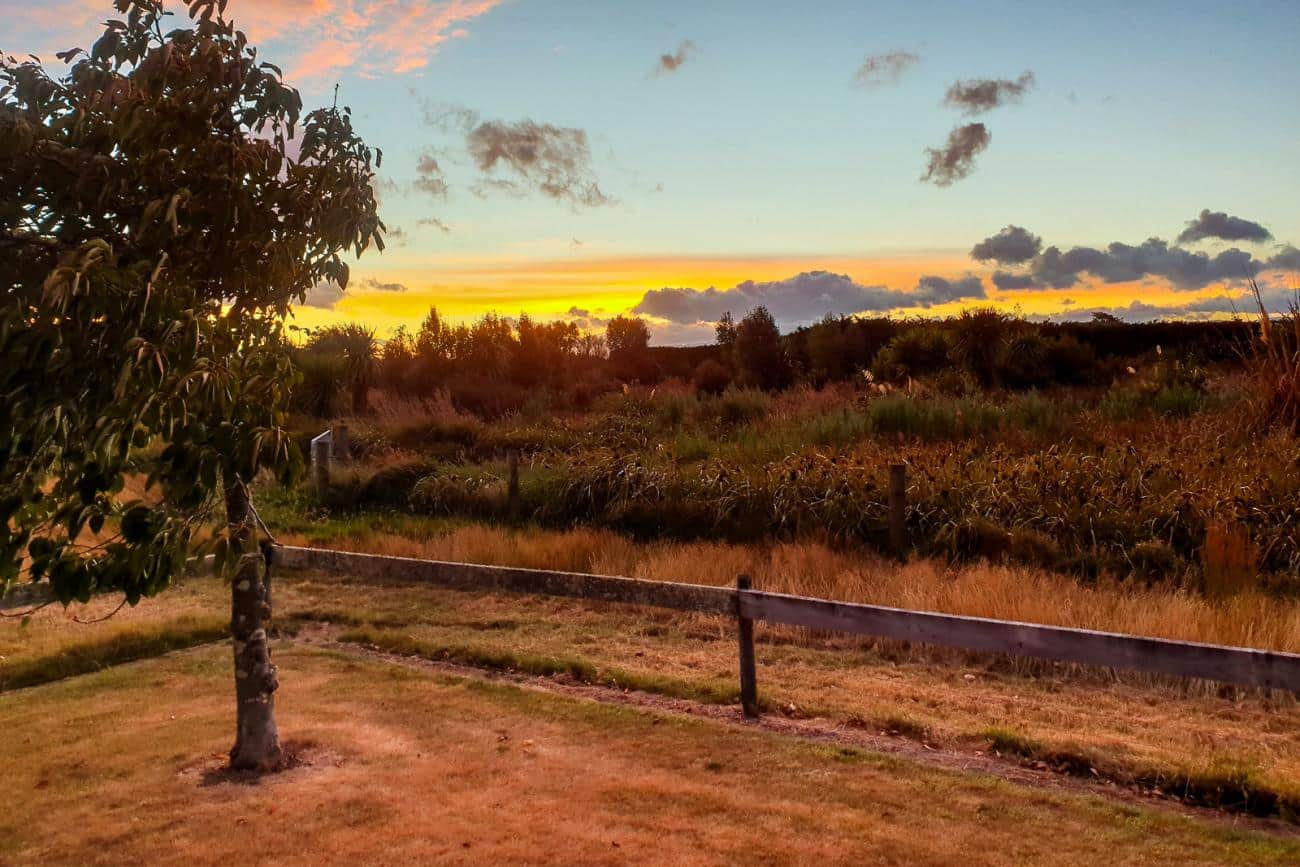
(760, 357)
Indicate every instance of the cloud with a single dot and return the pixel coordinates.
(956, 159)
(555, 161)
(1011, 246)
(931, 290)
(429, 177)
(1185, 270)
(396, 235)
(1287, 259)
(878, 70)
(979, 95)
(800, 299)
(1276, 300)
(372, 283)
(309, 39)
(1122, 263)
(435, 223)
(323, 295)
(1217, 224)
(1007, 280)
(670, 63)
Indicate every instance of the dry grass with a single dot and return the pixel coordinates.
(416, 768)
(1247, 619)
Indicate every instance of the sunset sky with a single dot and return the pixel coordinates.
(579, 160)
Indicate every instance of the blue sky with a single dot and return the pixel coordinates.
(759, 155)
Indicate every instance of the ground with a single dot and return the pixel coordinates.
(410, 765)
(436, 725)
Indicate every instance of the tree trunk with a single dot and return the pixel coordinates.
(257, 742)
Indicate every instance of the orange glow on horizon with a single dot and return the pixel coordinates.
(466, 288)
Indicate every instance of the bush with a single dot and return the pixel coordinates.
(392, 485)
(711, 377)
(740, 406)
(916, 351)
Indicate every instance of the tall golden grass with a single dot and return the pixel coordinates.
(1248, 618)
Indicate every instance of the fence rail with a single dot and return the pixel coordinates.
(1241, 666)
(1236, 665)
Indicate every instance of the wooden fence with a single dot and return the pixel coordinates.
(1235, 665)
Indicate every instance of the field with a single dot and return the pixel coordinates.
(613, 727)
(429, 724)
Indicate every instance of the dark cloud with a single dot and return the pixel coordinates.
(429, 177)
(979, 95)
(396, 235)
(1011, 246)
(670, 63)
(956, 159)
(800, 299)
(1217, 224)
(881, 69)
(372, 283)
(1287, 259)
(1276, 300)
(435, 223)
(931, 290)
(555, 161)
(1122, 263)
(324, 295)
(1008, 280)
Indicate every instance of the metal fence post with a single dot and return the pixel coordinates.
(321, 447)
(748, 672)
(898, 510)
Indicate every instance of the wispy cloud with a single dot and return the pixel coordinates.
(555, 161)
(956, 159)
(310, 39)
(979, 95)
(881, 69)
(670, 63)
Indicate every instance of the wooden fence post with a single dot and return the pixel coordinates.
(320, 465)
(748, 672)
(898, 510)
(342, 443)
(512, 488)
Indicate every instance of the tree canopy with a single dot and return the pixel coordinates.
(162, 204)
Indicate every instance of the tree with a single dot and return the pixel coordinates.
(354, 348)
(628, 341)
(760, 357)
(155, 228)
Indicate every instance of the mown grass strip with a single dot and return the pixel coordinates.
(1225, 785)
(141, 642)
(392, 641)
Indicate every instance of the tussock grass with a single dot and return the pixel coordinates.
(1248, 619)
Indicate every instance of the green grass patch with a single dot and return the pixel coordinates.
(392, 641)
(83, 657)
(1225, 785)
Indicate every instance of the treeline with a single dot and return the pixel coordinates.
(499, 365)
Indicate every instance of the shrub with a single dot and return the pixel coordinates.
(979, 337)
(392, 485)
(1021, 361)
(740, 406)
(711, 377)
(916, 351)
(1154, 559)
(1178, 400)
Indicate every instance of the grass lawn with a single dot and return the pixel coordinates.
(411, 766)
